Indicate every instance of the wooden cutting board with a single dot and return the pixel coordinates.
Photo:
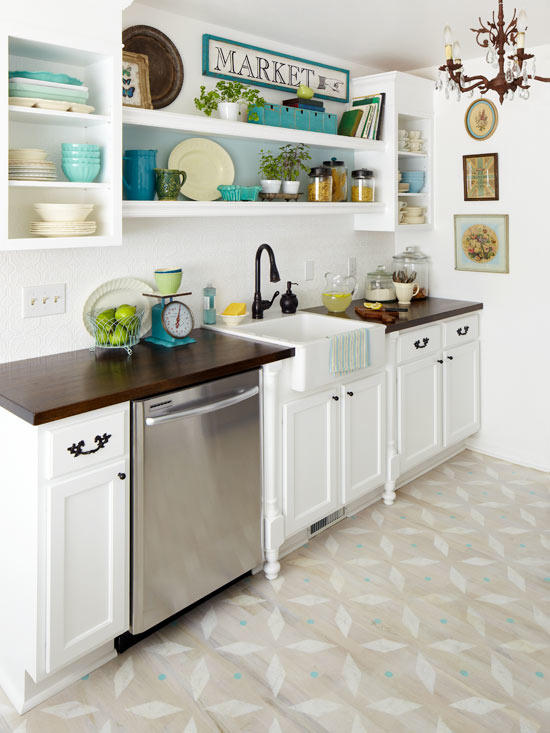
(370, 315)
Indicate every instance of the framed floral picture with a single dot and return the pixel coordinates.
(481, 119)
(136, 91)
(480, 177)
(481, 243)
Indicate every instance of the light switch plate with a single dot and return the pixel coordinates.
(309, 270)
(43, 300)
(352, 266)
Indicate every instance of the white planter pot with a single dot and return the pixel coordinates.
(228, 110)
(270, 186)
(291, 186)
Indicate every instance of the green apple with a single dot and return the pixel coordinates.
(119, 336)
(305, 92)
(105, 316)
(102, 335)
(125, 312)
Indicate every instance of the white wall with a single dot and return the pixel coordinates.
(515, 350)
(217, 250)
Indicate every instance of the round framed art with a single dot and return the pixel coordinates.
(481, 119)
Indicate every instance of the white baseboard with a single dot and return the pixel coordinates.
(496, 453)
(434, 462)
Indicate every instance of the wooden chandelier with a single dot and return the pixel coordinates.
(514, 73)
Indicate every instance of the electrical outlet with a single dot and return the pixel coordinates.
(309, 270)
(43, 300)
(352, 266)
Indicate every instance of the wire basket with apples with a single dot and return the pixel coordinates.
(117, 327)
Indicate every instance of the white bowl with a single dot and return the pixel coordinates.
(414, 219)
(63, 212)
(232, 320)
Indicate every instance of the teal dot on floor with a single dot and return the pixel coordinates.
(503, 516)
(547, 580)
(86, 677)
(358, 545)
(468, 545)
(452, 516)
(439, 493)
(310, 621)
(413, 544)
(485, 493)
(367, 580)
(510, 621)
(487, 580)
(162, 676)
(531, 492)
(463, 672)
(522, 545)
(427, 577)
(402, 517)
(388, 674)
(306, 580)
(237, 675)
(377, 621)
(539, 674)
(314, 674)
(470, 471)
(442, 620)
(242, 623)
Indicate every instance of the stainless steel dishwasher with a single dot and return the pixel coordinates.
(196, 494)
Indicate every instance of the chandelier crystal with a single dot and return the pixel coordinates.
(514, 71)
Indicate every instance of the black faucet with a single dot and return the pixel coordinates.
(259, 305)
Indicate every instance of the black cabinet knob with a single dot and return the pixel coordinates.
(450, 358)
(350, 394)
(122, 476)
(335, 397)
(440, 361)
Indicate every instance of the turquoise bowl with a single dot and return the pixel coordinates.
(81, 172)
(78, 146)
(81, 156)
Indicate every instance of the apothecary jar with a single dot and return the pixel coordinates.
(413, 260)
(379, 285)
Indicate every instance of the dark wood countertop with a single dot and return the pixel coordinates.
(419, 312)
(53, 387)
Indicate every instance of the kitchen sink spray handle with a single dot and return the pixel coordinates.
(77, 449)
(425, 341)
(462, 331)
(268, 303)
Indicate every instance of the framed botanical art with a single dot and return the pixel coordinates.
(480, 177)
(136, 91)
(481, 242)
(481, 119)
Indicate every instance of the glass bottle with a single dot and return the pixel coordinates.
(209, 305)
(339, 179)
(320, 185)
(362, 187)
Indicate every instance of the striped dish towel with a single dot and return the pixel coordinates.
(349, 351)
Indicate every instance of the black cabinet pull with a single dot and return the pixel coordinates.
(424, 343)
(350, 394)
(77, 449)
(440, 361)
(462, 331)
(335, 397)
(122, 476)
(450, 358)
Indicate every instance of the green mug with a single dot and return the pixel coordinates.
(168, 183)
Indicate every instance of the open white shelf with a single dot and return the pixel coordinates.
(25, 243)
(202, 125)
(54, 117)
(57, 184)
(141, 209)
(418, 227)
(409, 154)
(422, 193)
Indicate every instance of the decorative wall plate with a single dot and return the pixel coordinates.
(165, 64)
(117, 292)
(207, 165)
(481, 119)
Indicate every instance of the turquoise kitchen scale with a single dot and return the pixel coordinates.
(172, 321)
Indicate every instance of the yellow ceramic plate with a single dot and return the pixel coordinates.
(207, 165)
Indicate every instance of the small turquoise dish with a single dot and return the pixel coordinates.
(79, 146)
(230, 193)
(47, 76)
(81, 172)
(250, 193)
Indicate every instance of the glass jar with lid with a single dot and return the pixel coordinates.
(379, 285)
(362, 185)
(413, 260)
(339, 179)
(320, 184)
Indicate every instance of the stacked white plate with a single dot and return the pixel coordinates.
(63, 220)
(30, 164)
(414, 215)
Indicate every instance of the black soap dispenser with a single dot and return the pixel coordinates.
(289, 301)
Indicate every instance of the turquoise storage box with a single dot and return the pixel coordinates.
(256, 116)
(330, 123)
(288, 117)
(302, 119)
(316, 121)
(272, 115)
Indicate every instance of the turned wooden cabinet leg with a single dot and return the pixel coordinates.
(272, 565)
(389, 493)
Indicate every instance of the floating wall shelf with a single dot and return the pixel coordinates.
(161, 209)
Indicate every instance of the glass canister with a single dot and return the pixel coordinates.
(379, 285)
(320, 185)
(339, 179)
(413, 260)
(362, 185)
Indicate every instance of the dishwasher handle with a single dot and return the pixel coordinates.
(205, 408)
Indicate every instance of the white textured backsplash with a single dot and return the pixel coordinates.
(217, 250)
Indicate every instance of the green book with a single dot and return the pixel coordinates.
(349, 122)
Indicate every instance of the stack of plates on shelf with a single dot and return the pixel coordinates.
(414, 215)
(63, 220)
(46, 91)
(30, 164)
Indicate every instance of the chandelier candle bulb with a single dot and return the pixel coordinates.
(457, 52)
(448, 38)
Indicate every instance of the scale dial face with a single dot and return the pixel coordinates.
(177, 319)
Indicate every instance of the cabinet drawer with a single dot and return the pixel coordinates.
(85, 441)
(419, 343)
(461, 330)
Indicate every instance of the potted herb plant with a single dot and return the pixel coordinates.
(226, 97)
(292, 160)
(270, 172)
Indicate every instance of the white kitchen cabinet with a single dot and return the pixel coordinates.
(460, 392)
(363, 436)
(310, 459)
(86, 573)
(418, 411)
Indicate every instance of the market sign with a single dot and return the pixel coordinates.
(232, 60)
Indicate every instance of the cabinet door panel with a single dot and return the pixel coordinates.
(310, 473)
(87, 558)
(363, 436)
(461, 392)
(419, 411)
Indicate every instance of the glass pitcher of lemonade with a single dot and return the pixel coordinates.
(338, 292)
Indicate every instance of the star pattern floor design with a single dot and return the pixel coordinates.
(432, 615)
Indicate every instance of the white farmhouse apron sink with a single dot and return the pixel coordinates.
(310, 335)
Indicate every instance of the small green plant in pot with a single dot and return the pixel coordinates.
(292, 159)
(271, 171)
(226, 97)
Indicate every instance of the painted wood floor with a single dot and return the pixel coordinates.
(430, 615)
